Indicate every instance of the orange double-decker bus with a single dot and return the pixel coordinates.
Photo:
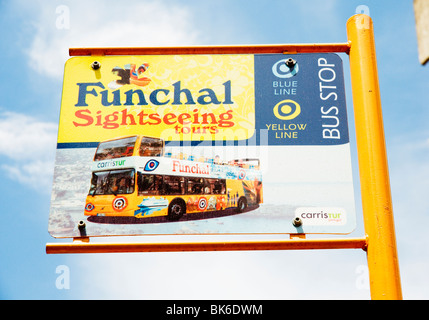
(134, 177)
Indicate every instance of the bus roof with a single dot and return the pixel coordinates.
(127, 146)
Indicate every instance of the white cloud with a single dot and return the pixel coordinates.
(24, 137)
(35, 174)
(104, 24)
(30, 145)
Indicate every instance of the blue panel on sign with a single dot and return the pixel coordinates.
(300, 100)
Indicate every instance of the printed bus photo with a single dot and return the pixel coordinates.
(134, 177)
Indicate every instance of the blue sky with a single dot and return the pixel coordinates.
(34, 49)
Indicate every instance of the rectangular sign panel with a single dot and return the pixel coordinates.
(198, 144)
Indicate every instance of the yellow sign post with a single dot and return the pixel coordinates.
(374, 177)
(379, 241)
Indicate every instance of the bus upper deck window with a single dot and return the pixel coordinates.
(151, 147)
(115, 148)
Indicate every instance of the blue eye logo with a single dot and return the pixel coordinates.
(151, 165)
(282, 70)
(241, 175)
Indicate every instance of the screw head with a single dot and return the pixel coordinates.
(95, 65)
(290, 63)
(297, 222)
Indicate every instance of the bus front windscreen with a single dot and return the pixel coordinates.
(112, 182)
(115, 148)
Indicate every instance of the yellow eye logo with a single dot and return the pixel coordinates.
(287, 110)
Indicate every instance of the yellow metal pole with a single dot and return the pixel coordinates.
(374, 177)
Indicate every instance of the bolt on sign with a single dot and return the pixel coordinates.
(196, 144)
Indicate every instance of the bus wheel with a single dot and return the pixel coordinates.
(176, 209)
(242, 204)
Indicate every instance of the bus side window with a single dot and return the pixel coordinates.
(149, 184)
(158, 185)
(195, 186)
(188, 185)
(218, 187)
(174, 185)
(208, 186)
(140, 182)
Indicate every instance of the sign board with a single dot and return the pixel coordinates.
(197, 144)
(421, 13)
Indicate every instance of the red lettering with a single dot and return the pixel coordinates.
(197, 168)
(80, 114)
(181, 117)
(176, 164)
(126, 116)
(155, 117)
(141, 116)
(168, 117)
